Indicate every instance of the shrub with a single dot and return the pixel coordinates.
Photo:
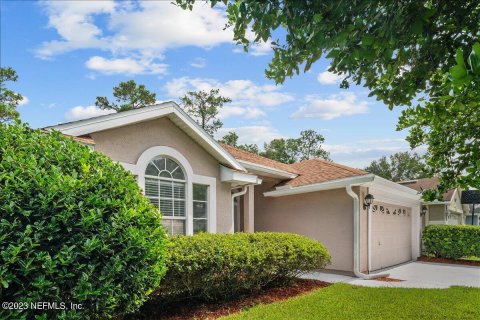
(74, 227)
(452, 241)
(220, 266)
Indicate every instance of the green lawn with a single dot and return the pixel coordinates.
(343, 301)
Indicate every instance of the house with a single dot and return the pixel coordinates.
(367, 223)
(476, 216)
(447, 210)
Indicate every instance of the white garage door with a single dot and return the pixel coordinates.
(391, 235)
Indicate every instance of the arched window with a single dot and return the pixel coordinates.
(165, 186)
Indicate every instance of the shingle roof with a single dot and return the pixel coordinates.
(317, 171)
(309, 171)
(255, 158)
(426, 184)
(86, 139)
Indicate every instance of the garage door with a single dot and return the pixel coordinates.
(391, 235)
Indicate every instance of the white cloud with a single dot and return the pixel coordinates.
(24, 101)
(199, 63)
(125, 66)
(247, 113)
(247, 97)
(144, 30)
(328, 77)
(344, 104)
(360, 153)
(252, 134)
(81, 112)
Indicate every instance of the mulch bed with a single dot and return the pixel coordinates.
(196, 310)
(386, 279)
(450, 261)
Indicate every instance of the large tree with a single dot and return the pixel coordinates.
(128, 95)
(291, 150)
(231, 138)
(399, 166)
(9, 100)
(204, 107)
(449, 123)
(399, 50)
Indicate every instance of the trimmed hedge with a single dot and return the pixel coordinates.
(221, 266)
(452, 241)
(74, 227)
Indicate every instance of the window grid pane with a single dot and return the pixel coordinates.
(200, 208)
(166, 190)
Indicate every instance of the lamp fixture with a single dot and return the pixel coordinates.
(367, 201)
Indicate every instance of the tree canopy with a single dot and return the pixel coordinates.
(391, 47)
(400, 166)
(231, 138)
(9, 100)
(399, 50)
(204, 108)
(128, 95)
(449, 123)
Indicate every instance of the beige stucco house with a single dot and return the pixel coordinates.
(203, 186)
(447, 210)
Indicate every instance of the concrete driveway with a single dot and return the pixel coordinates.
(415, 275)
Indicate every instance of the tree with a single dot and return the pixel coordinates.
(449, 123)
(310, 146)
(399, 50)
(204, 107)
(128, 96)
(391, 47)
(9, 100)
(282, 150)
(307, 146)
(231, 138)
(399, 167)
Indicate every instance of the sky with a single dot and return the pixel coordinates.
(67, 53)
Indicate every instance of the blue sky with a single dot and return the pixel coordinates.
(68, 52)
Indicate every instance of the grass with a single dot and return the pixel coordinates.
(472, 258)
(343, 301)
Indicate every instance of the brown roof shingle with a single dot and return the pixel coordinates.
(426, 184)
(308, 171)
(317, 171)
(255, 158)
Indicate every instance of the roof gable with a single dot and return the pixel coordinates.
(166, 109)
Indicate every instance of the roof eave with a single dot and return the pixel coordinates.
(170, 109)
(323, 186)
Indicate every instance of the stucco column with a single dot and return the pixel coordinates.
(248, 210)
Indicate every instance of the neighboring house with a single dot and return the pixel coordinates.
(476, 217)
(200, 185)
(448, 210)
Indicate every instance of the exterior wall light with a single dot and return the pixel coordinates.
(424, 210)
(368, 201)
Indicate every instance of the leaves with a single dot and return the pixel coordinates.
(399, 167)
(74, 227)
(128, 96)
(9, 100)
(204, 107)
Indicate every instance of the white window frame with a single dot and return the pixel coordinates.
(207, 202)
(151, 153)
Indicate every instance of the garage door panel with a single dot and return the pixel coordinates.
(391, 235)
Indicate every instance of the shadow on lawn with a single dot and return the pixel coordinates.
(190, 309)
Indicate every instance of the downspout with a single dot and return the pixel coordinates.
(234, 195)
(356, 239)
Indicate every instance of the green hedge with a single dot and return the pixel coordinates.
(220, 266)
(452, 241)
(74, 227)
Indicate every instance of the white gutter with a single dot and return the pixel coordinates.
(329, 185)
(234, 195)
(356, 239)
(267, 170)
